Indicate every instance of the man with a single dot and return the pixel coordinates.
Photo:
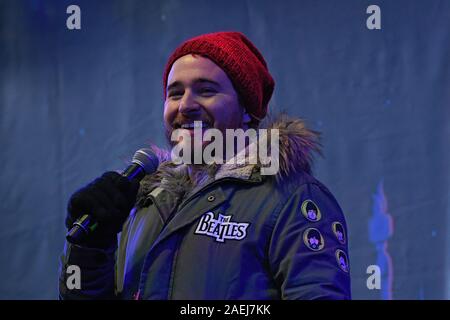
(217, 231)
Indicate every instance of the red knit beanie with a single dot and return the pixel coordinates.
(241, 61)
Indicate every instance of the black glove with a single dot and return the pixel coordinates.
(108, 200)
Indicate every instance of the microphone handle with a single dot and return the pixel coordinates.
(85, 224)
(80, 229)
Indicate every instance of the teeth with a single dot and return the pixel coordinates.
(197, 124)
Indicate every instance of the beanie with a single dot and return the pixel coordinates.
(242, 62)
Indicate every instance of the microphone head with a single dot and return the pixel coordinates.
(147, 159)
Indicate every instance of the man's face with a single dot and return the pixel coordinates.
(314, 242)
(342, 262)
(199, 90)
(312, 214)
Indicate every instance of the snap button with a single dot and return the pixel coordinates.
(211, 198)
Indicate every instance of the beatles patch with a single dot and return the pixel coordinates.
(221, 228)
(339, 232)
(310, 211)
(313, 239)
(342, 260)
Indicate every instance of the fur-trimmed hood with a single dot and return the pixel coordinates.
(297, 147)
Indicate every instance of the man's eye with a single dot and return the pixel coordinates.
(207, 91)
(174, 94)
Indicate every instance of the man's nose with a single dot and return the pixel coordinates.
(188, 104)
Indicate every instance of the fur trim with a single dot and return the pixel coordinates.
(297, 146)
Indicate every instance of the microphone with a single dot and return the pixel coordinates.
(144, 162)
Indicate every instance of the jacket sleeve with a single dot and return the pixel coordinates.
(308, 251)
(96, 271)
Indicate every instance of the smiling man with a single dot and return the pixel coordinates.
(199, 91)
(214, 231)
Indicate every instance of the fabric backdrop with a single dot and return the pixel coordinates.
(75, 103)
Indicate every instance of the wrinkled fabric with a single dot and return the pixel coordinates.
(259, 253)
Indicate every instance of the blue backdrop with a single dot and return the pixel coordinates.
(75, 103)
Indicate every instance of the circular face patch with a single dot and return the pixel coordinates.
(313, 239)
(338, 230)
(310, 211)
(342, 260)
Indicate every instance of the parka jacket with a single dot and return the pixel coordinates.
(238, 235)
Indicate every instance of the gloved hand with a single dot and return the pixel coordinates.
(108, 200)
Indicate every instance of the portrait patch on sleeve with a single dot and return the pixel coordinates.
(338, 230)
(342, 260)
(313, 239)
(311, 211)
